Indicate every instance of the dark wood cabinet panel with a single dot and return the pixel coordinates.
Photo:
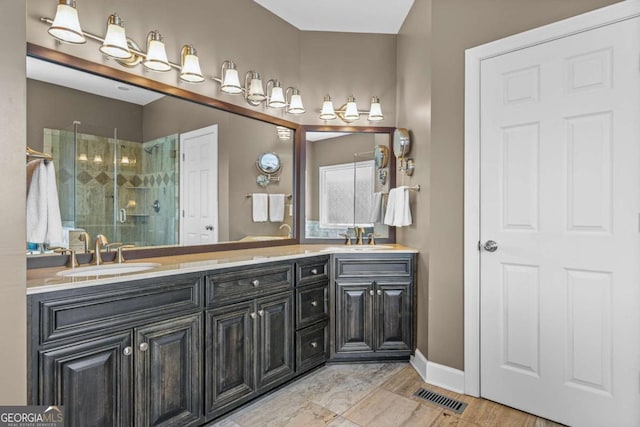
(91, 380)
(168, 365)
(375, 266)
(312, 270)
(229, 368)
(354, 322)
(394, 318)
(275, 340)
(311, 346)
(311, 304)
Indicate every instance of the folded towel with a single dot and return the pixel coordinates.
(375, 216)
(276, 207)
(260, 203)
(44, 224)
(398, 211)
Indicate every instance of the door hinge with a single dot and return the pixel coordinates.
(479, 246)
(182, 213)
(183, 157)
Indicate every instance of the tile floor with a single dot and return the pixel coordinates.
(373, 395)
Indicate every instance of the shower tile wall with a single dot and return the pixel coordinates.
(147, 176)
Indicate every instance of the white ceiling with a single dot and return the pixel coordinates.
(79, 80)
(351, 16)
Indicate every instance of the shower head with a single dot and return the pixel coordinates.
(149, 150)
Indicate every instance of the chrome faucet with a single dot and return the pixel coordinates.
(288, 227)
(101, 241)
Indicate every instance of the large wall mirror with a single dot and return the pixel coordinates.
(347, 174)
(149, 168)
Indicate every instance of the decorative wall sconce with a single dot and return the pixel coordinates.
(65, 27)
(349, 112)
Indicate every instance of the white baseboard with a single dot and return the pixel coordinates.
(438, 375)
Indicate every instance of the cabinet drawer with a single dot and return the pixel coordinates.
(374, 265)
(88, 311)
(311, 346)
(311, 304)
(247, 283)
(312, 270)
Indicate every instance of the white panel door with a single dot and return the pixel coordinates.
(560, 195)
(199, 186)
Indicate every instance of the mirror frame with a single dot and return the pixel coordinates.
(302, 134)
(80, 64)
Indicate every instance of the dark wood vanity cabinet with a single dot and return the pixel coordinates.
(373, 307)
(249, 343)
(312, 312)
(119, 355)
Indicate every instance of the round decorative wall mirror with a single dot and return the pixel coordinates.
(401, 143)
(269, 163)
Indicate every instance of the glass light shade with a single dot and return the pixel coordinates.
(230, 79)
(375, 111)
(327, 113)
(82, 157)
(115, 41)
(190, 65)
(156, 59)
(295, 105)
(256, 90)
(66, 25)
(277, 98)
(351, 112)
(97, 158)
(124, 160)
(284, 134)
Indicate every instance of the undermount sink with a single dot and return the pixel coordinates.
(109, 269)
(356, 248)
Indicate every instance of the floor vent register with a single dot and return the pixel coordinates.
(441, 400)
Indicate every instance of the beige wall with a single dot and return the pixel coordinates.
(56, 107)
(13, 351)
(456, 25)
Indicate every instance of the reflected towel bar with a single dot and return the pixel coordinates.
(287, 196)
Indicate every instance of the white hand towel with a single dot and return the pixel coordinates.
(276, 207)
(43, 210)
(376, 208)
(389, 216)
(260, 202)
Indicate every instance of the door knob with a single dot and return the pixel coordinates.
(208, 227)
(127, 351)
(144, 346)
(490, 246)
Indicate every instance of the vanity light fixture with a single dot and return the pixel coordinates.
(328, 112)
(156, 59)
(284, 134)
(229, 80)
(254, 94)
(349, 112)
(115, 41)
(66, 25)
(82, 157)
(294, 101)
(97, 158)
(275, 96)
(190, 65)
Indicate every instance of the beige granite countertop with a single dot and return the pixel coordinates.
(47, 279)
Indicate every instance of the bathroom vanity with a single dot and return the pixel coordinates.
(201, 335)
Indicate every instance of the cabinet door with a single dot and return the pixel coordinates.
(229, 357)
(354, 317)
(393, 316)
(275, 339)
(91, 379)
(168, 381)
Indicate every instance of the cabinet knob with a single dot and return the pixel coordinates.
(253, 315)
(127, 351)
(314, 344)
(371, 292)
(314, 271)
(314, 303)
(379, 292)
(261, 313)
(255, 283)
(144, 346)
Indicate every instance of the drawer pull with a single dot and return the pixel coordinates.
(379, 292)
(253, 315)
(255, 283)
(371, 292)
(127, 351)
(314, 344)
(314, 271)
(261, 313)
(144, 346)
(314, 303)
